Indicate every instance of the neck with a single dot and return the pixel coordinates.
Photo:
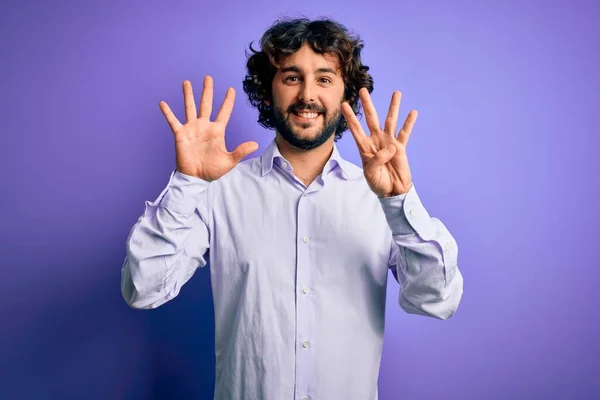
(307, 164)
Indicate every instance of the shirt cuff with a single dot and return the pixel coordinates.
(405, 214)
(183, 193)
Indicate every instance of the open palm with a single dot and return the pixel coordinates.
(200, 143)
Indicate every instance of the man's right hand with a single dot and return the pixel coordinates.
(200, 144)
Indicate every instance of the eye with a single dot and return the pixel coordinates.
(325, 80)
(292, 78)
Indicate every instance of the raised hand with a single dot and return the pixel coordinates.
(383, 153)
(200, 144)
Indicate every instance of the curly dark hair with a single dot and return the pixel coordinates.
(285, 37)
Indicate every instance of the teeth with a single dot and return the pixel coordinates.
(308, 115)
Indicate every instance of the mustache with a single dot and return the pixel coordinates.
(306, 107)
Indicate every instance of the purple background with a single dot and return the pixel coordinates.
(504, 153)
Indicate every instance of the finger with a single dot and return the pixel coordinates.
(207, 98)
(354, 126)
(370, 113)
(406, 130)
(243, 150)
(392, 117)
(226, 107)
(381, 158)
(171, 118)
(190, 104)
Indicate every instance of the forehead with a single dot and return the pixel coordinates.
(307, 60)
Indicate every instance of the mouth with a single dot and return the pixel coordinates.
(305, 116)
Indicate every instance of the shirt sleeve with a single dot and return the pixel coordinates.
(425, 257)
(166, 245)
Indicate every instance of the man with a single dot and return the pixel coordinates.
(299, 240)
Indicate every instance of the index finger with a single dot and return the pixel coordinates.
(370, 112)
(354, 126)
(226, 107)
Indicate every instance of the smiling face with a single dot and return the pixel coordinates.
(307, 91)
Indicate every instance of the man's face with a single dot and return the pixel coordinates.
(308, 91)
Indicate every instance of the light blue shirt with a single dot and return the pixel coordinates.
(298, 273)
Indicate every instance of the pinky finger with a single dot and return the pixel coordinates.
(404, 133)
(171, 118)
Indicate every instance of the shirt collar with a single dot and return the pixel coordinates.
(348, 170)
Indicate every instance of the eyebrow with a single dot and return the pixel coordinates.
(293, 68)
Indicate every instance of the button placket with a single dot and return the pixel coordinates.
(304, 306)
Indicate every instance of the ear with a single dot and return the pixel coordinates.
(266, 97)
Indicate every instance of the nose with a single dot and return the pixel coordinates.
(307, 92)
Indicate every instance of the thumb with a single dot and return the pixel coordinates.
(383, 156)
(243, 150)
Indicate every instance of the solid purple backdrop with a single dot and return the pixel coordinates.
(504, 153)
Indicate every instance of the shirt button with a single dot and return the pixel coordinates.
(305, 290)
(447, 246)
(305, 239)
(305, 345)
(412, 211)
(304, 398)
(284, 165)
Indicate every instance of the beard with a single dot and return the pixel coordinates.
(285, 129)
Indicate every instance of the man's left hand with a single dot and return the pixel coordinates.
(383, 153)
